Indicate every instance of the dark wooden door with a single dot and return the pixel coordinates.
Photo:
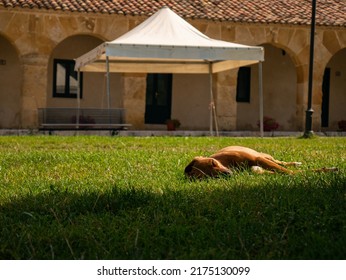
(325, 98)
(158, 98)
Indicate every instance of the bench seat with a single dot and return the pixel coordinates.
(82, 119)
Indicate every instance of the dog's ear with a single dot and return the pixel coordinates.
(188, 168)
(219, 167)
(213, 163)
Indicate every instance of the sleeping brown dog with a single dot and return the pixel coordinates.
(231, 157)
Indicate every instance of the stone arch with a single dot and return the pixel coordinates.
(66, 26)
(11, 79)
(333, 102)
(295, 41)
(327, 43)
(279, 90)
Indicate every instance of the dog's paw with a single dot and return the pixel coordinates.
(297, 163)
(257, 169)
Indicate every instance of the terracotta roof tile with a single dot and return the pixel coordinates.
(329, 12)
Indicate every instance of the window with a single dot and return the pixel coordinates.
(244, 84)
(65, 79)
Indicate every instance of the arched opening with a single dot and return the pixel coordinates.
(11, 78)
(279, 91)
(62, 79)
(334, 92)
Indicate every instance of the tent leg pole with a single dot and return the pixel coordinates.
(211, 100)
(212, 105)
(108, 83)
(260, 93)
(216, 125)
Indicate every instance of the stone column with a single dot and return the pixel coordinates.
(224, 98)
(302, 95)
(133, 88)
(34, 92)
(317, 96)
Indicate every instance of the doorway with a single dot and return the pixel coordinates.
(325, 98)
(158, 98)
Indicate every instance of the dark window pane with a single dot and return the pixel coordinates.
(65, 79)
(243, 84)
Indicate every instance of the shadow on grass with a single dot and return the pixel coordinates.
(297, 220)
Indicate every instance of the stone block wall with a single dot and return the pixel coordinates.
(34, 34)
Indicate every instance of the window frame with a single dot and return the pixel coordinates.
(67, 94)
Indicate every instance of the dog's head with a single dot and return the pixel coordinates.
(201, 167)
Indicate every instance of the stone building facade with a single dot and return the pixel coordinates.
(33, 38)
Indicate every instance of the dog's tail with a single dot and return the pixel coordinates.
(326, 169)
(260, 170)
(319, 170)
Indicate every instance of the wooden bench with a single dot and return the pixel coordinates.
(81, 119)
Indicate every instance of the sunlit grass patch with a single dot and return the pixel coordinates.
(127, 198)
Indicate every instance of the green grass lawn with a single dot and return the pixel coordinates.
(127, 198)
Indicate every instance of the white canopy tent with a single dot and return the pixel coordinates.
(166, 43)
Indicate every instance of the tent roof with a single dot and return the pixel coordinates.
(166, 43)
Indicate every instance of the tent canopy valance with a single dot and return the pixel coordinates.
(166, 43)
